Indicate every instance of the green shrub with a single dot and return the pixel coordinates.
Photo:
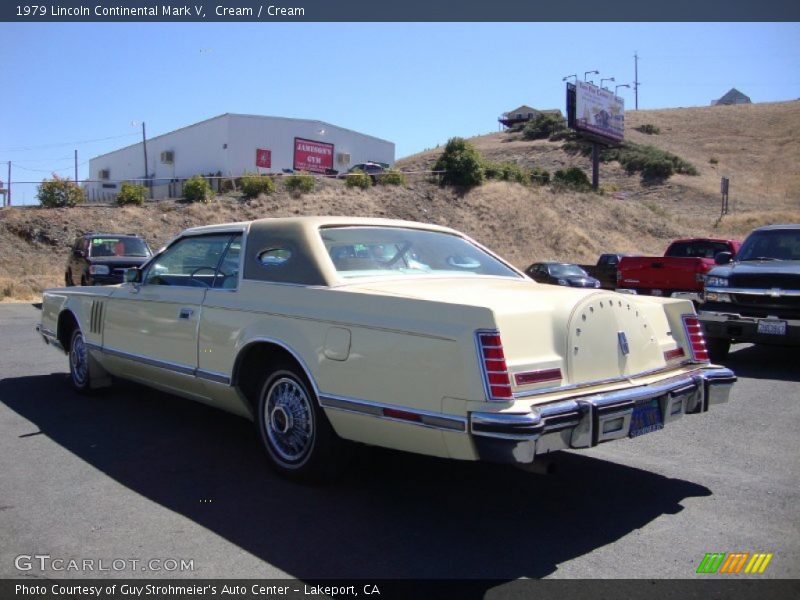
(59, 192)
(544, 125)
(506, 171)
(564, 134)
(648, 129)
(392, 177)
(299, 183)
(358, 178)
(196, 189)
(540, 176)
(253, 185)
(572, 178)
(461, 162)
(635, 158)
(657, 169)
(132, 193)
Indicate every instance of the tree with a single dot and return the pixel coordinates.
(59, 192)
(461, 162)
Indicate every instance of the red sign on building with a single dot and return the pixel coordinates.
(312, 156)
(264, 158)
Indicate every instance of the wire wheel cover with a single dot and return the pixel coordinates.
(289, 420)
(79, 361)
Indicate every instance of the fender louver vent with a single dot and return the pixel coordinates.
(96, 318)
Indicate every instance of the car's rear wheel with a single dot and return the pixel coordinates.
(79, 363)
(300, 442)
(718, 348)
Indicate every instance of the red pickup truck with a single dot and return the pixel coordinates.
(681, 271)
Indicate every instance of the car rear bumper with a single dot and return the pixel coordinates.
(587, 421)
(731, 326)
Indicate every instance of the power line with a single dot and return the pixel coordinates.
(24, 148)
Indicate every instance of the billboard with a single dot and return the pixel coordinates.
(263, 158)
(315, 157)
(598, 112)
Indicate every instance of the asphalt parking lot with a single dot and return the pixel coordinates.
(138, 475)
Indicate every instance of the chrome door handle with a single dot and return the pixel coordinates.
(186, 313)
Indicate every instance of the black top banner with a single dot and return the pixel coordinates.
(403, 11)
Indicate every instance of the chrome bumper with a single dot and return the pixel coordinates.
(586, 421)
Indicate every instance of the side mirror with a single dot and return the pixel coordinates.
(133, 275)
(77, 253)
(723, 258)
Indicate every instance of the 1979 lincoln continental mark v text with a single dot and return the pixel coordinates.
(390, 333)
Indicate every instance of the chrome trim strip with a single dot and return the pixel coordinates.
(49, 337)
(775, 293)
(151, 362)
(587, 384)
(281, 344)
(429, 419)
(213, 376)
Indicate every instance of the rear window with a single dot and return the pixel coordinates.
(697, 249)
(396, 251)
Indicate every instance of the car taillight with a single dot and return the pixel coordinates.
(696, 338)
(493, 365)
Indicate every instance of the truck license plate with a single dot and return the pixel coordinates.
(772, 327)
(646, 418)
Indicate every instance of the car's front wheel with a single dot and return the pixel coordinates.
(79, 363)
(299, 440)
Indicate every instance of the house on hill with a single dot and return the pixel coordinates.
(734, 96)
(523, 114)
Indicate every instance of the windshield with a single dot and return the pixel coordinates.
(772, 244)
(393, 251)
(118, 246)
(567, 271)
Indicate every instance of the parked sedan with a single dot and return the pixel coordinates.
(326, 331)
(374, 170)
(561, 274)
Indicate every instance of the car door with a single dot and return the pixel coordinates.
(152, 327)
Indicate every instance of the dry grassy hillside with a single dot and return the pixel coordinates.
(757, 146)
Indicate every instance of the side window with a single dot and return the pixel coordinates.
(228, 276)
(190, 262)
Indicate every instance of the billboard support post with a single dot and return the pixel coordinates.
(595, 165)
(724, 186)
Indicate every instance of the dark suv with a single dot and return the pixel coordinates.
(755, 297)
(103, 258)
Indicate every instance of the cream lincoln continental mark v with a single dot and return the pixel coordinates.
(405, 335)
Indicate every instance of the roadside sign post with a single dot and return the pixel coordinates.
(724, 185)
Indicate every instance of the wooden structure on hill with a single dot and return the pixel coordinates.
(523, 114)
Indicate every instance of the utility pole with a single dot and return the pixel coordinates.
(9, 184)
(76, 166)
(636, 78)
(144, 145)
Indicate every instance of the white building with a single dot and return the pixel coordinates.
(229, 146)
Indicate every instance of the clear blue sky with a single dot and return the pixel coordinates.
(416, 84)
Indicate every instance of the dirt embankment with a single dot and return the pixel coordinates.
(757, 146)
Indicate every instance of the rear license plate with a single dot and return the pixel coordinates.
(772, 327)
(646, 418)
(658, 293)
